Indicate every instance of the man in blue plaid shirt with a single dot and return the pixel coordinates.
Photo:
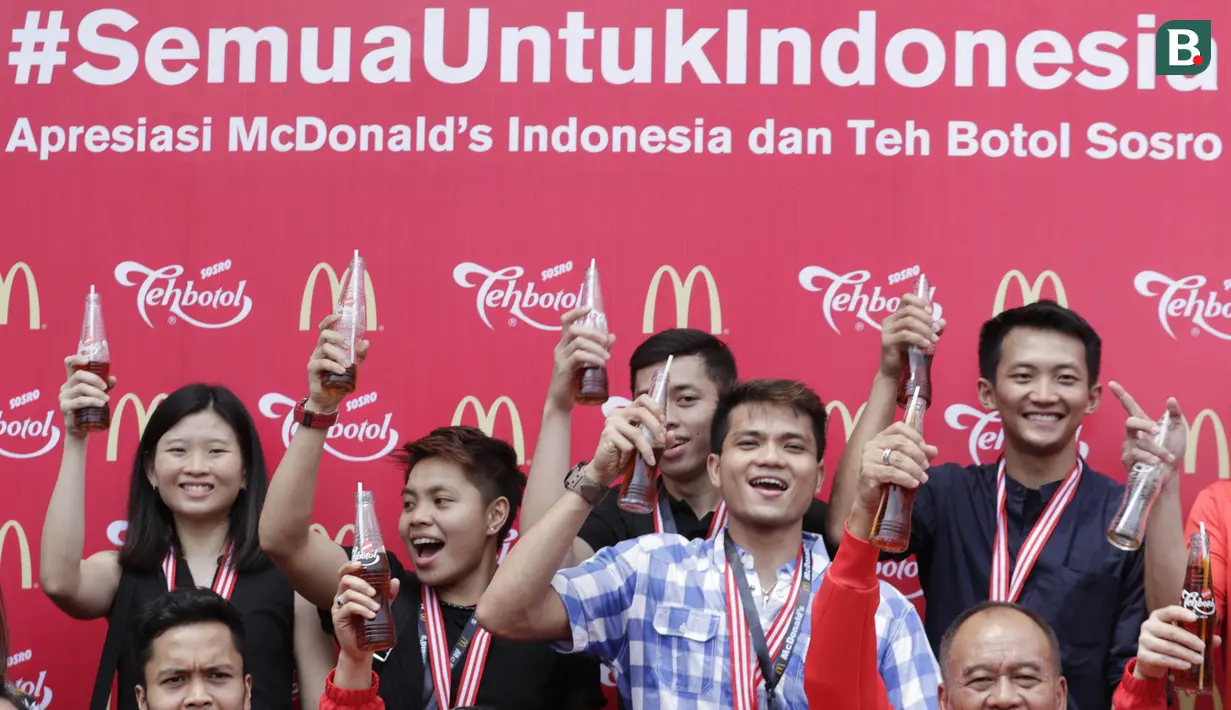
(704, 624)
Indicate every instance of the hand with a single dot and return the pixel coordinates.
(81, 389)
(911, 324)
(622, 439)
(358, 604)
(580, 346)
(909, 458)
(1139, 446)
(1163, 646)
(329, 355)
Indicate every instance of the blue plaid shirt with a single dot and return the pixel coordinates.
(654, 609)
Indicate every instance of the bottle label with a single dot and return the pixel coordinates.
(367, 554)
(1200, 603)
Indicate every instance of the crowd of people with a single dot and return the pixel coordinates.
(739, 590)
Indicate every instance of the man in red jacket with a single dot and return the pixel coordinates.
(994, 655)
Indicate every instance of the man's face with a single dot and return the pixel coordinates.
(195, 666)
(691, 401)
(445, 523)
(1001, 659)
(768, 471)
(1042, 389)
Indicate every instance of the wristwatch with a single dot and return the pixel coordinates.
(578, 482)
(314, 420)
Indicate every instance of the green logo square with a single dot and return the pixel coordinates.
(1183, 48)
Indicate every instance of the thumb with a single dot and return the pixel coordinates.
(111, 382)
(394, 587)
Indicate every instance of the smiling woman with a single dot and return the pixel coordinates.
(197, 486)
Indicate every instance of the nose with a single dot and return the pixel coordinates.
(197, 695)
(1004, 696)
(1044, 392)
(197, 462)
(769, 455)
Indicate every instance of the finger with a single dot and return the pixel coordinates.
(647, 403)
(610, 340)
(77, 403)
(111, 382)
(361, 351)
(580, 358)
(910, 299)
(322, 365)
(901, 429)
(1172, 634)
(85, 377)
(632, 435)
(591, 345)
(72, 362)
(356, 584)
(1126, 400)
(337, 353)
(328, 321)
(1174, 614)
(1173, 406)
(1138, 424)
(87, 389)
(571, 317)
(1169, 649)
(358, 609)
(332, 336)
(349, 568)
(903, 450)
(395, 585)
(1217, 641)
(1147, 446)
(1151, 657)
(884, 474)
(940, 326)
(1137, 456)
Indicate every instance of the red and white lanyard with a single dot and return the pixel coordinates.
(746, 665)
(224, 578)
(1006, 588)
(664, 521)
(477, 641)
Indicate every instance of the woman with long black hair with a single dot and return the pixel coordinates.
(194, 503)
(10, 697)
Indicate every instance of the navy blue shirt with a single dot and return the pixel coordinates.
(1092, 594)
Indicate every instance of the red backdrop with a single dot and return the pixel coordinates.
(793, 256)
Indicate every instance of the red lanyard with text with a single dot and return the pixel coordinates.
(224, 578)
(745, 624)
(439, 663)
(1006, 587)
(664, 521)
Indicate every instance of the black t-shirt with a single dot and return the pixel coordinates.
(609, 524)
(518, 675)
(266, 603)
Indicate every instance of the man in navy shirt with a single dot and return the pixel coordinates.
(1030, 528)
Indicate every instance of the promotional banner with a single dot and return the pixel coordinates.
(777, 175)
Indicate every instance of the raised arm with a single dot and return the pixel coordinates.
(521, 603)
(310, 562)
(82, 588)
(1165, 548)
(910, 324)
(580, 346)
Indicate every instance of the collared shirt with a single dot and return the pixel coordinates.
(654, 609)
(1091, 593)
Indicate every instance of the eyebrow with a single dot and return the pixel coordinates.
(1026, 666)
(757, 433)
(434, 489)
(169, 672)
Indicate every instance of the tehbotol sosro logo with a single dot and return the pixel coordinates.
(1183, 48)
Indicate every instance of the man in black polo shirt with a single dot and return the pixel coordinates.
(688, 504)
(461, 496)
(1031, 528)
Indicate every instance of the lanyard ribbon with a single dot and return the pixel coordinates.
(1006, 588)
(745, 624)
(437, 672)
(664, 520)
(224, 578)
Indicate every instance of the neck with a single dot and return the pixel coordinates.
(466, 590)
(202, 538)
(701, 495)
(770, 547)
(1034, 470)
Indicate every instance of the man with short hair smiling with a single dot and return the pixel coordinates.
(190, 643)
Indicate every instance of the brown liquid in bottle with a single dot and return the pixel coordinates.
(379, 633)
(590, 386)
(344, 384)
(640, 484)
(1198, 597)
(94, 418)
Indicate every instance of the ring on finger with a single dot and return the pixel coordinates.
(886, 454)
(340, 602)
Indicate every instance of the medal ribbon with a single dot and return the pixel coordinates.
(1006, 588)
(224, 578)
(745, 625)
(438, 673)
(664, 520)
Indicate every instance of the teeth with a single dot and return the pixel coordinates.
(1044, 417)
(424, 541)
(770, 481)
(196, 486)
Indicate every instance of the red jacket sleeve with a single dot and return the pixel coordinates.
(1137, 694)
(840, 671)
(336, 698)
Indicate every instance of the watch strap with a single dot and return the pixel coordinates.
(314, 420)
(581, 484)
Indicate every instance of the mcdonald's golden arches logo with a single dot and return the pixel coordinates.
(348, 529)
(1220, 441)
(23, 548)
(335, 290)
(487, 420)
(6, 290)
(683, 297)
(844, 414)
(117, 418)
(1030, 293)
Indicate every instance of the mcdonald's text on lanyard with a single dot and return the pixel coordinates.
(745, 624)
(224, 578)
(437, 671)
(1006, 586)
(664, 519)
